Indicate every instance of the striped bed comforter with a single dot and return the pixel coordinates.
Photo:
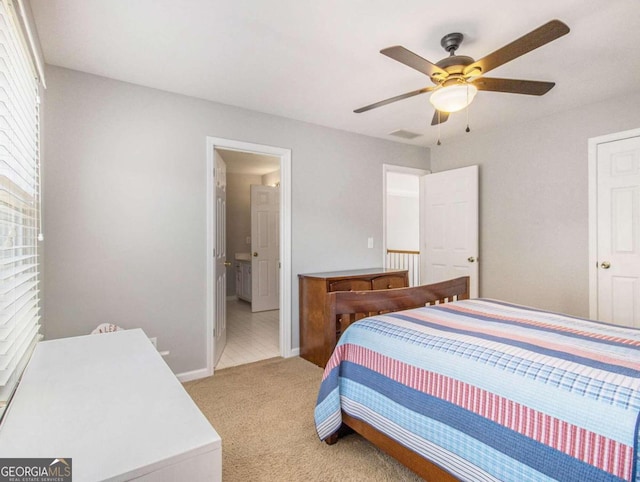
(493, 391)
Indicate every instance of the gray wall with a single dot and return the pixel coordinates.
(534, 202)
(125, 205)
(238, 220)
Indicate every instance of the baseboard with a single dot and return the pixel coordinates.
(203, 372)
(232, 298)
(294, 352)
(193, 375)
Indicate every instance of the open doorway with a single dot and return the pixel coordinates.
(420, 207)
(236, 253)
(402, 219)
(252, 245)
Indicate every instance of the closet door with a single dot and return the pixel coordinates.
(618, 231)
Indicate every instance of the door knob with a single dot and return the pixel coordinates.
(255, 254)
(605, 265)
(471, 259)
(227, 263)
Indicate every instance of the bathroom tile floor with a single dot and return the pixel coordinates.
(250, 336)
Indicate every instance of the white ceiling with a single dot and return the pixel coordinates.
(316, 61)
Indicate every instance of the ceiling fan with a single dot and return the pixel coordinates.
(458, 78)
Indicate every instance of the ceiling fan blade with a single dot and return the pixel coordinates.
(407, 57)
(393, 99)
(537, 38)
(513, 86)
(439, 119)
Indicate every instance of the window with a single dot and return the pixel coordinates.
(19, 202)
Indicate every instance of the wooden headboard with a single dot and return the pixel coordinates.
(344, 307)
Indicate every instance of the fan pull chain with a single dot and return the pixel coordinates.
(438, 143)
(467, 129)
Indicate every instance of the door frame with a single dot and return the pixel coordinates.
(386, 168)
(285, 238)
(593, 212)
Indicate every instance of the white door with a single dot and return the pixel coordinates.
(449, 242)
(618, 231)
(220, 258)
(265, 247)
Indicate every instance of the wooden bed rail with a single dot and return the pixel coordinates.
(344, 307)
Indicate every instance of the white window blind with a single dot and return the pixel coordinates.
(19, 203)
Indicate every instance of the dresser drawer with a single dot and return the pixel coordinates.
(350, 285)
(388, 281)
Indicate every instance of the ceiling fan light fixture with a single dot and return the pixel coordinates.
(454, 97)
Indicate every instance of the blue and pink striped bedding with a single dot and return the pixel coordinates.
(493, 391)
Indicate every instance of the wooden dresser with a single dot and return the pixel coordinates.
(316, 343)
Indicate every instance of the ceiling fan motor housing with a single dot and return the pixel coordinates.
(454, 65)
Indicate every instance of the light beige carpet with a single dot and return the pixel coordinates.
(264, 414)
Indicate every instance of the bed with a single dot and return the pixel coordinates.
(482, 390)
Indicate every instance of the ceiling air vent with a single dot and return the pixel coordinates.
(405, 134)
